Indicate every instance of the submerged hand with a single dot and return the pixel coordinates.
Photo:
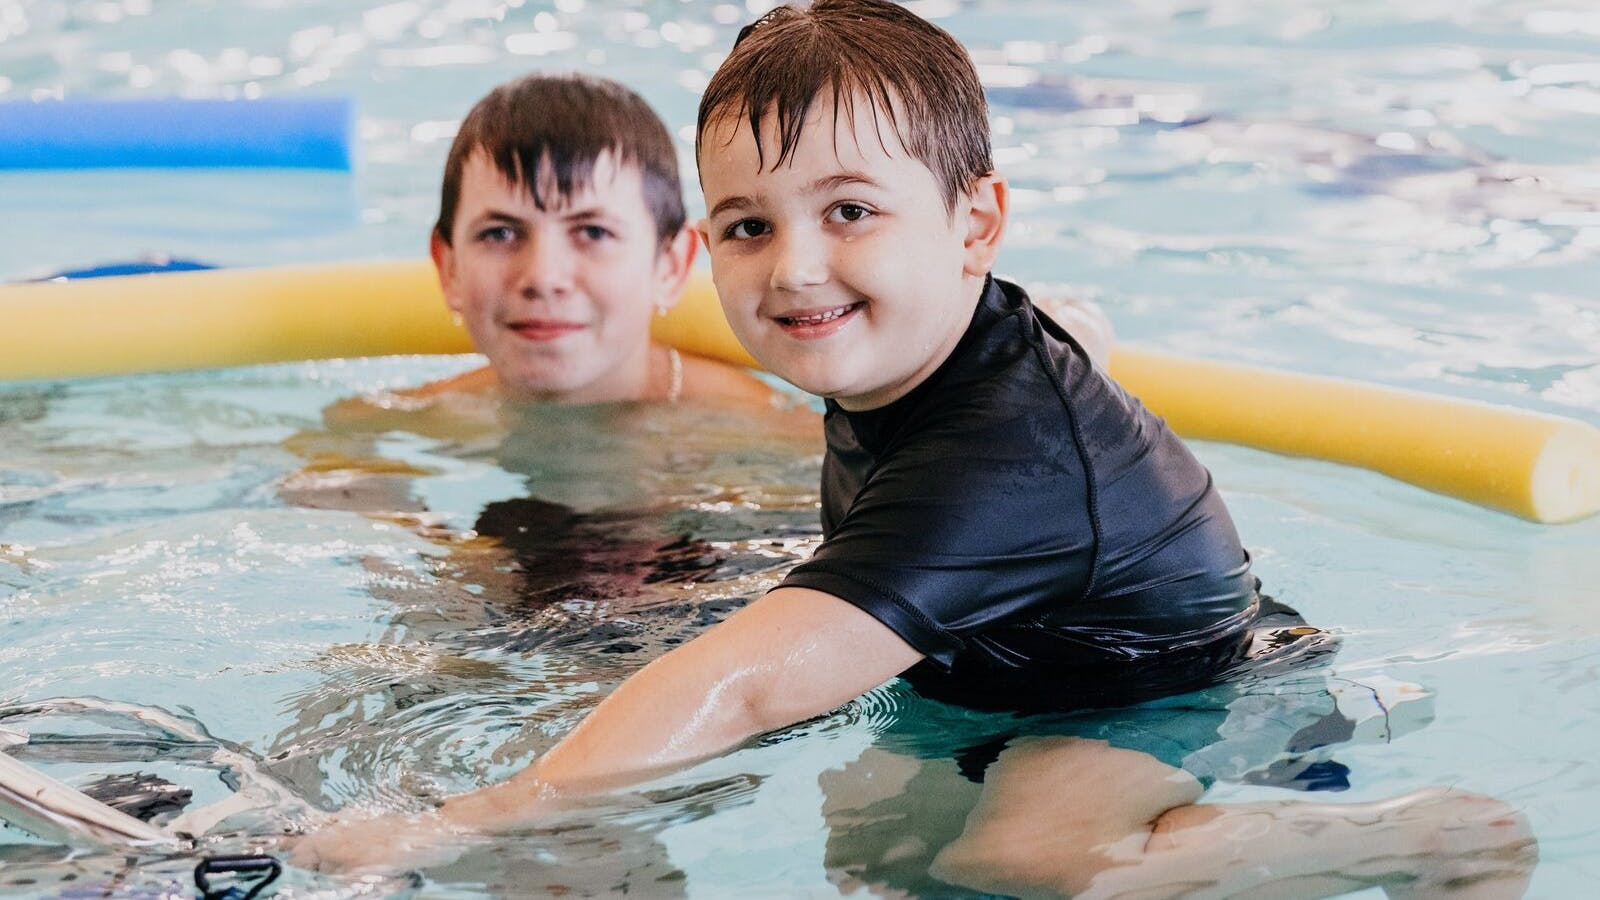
(384, 845)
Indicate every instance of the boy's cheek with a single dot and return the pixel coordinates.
(737, 287)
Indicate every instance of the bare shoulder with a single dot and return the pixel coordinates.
(475, 381)
(454, 401)
(712, 382)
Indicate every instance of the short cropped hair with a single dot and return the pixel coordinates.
(566, 121)
(873, 48)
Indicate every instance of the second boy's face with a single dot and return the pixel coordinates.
(558, 299)
(841, 270)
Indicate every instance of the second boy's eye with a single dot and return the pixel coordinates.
(595, 233)
(745, 229)
(497, 234)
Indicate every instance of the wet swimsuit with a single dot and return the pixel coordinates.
(1042, 538)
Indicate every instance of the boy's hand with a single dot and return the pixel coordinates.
(383, 845)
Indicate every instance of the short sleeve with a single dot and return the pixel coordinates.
(976, 520)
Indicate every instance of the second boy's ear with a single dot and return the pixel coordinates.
(985, 208)
(444, 264)
(673, 265)
(702, 227)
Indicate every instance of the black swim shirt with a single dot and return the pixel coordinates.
(1031, 528)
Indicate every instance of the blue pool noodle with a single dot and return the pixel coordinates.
(279, 132)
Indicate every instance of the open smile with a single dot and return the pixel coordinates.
(810, 324)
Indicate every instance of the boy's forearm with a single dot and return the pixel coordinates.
(790, 656)
(645, 727)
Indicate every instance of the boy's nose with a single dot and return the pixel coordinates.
(801, 262)
(546, 268)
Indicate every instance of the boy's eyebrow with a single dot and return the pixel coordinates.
(838, 180)
(820, 186)
(495, 215)
(587, 212)
(584, 214)
(727, 203)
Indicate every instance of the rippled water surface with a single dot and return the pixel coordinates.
(1405, 193)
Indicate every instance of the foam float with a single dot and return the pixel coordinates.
(276, 132)
(1542, 467)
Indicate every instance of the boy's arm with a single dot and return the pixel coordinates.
(793, 654)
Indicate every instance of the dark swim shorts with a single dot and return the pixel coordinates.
(1272, 705)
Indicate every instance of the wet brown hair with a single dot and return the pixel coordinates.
(566, 121)
(908, 70)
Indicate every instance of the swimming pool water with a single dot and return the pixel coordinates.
(1402, 194)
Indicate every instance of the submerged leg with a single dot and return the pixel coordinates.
(1072, 817)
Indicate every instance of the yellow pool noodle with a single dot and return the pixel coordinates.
(232, 317)
(1541, 467)
(1538, 466)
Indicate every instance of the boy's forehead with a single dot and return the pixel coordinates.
(858, 131)
(608, 182)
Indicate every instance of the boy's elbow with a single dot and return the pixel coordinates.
(770, 701)
(761, 709)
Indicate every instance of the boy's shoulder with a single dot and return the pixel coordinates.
(712, 383)
(709, 380)
(461, 405)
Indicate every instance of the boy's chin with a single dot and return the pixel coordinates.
(541, 381)
(841, 379)
(845, 397)
(838, 376)
(817, 385)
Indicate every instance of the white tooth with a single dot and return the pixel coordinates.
(819, 318)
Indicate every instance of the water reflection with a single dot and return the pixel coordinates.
(595, 539)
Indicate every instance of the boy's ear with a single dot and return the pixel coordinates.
(985, 208)
(444, 265)
(673, 265)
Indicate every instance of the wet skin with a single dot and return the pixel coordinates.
(559, 299)
(841, 269)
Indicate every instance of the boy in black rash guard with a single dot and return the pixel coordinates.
(988, 496)
(1002, 523)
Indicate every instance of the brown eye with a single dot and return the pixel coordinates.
(745, 229)
(848, 212)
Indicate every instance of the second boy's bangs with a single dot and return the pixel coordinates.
(546, 133)
(540, 167)
(551, 149)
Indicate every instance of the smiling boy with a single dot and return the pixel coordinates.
(561, 232)
(989, 498)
